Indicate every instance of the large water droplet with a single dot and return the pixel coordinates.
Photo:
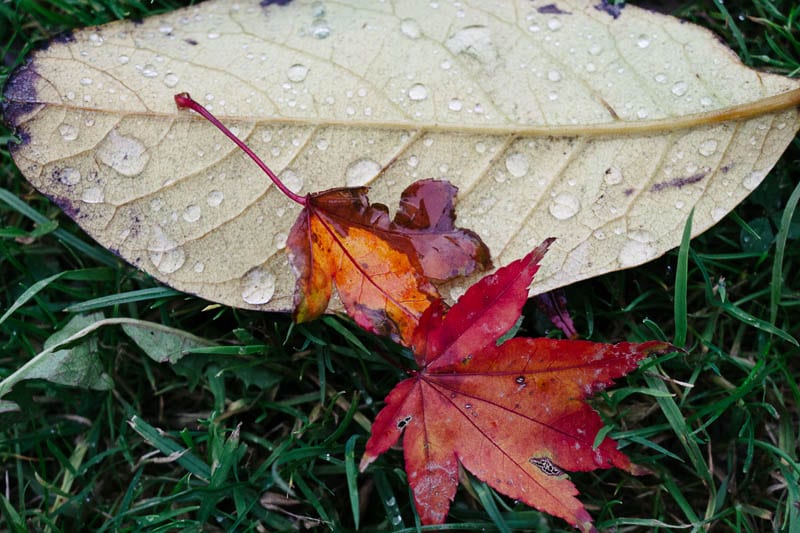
(361, 172)
(279, 240)
(418, 92)
(258, 286)
(126, 155)
(165, 253)
(707, 147)
(297, 73)
(69, 176)
(517, 164)
(68, 132)
(410, 28)
(93, 195)
(752, 180)
(564, 206)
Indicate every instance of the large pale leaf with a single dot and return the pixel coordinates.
(553, 118)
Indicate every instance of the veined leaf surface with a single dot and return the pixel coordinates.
(554, 119)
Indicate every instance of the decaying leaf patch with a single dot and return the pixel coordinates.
(601, 127)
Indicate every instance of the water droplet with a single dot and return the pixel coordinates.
(418, 92)
(595, 50)
(171, 79)
(410, 28)
(517, 164)
(613, 175)
(126, 155)
(642, 113)
(520, 380)
(215, 198)
(639, 248)
(361, 171)
(554, 75)
(718, 214)
(680, 88)
(643, 41)
(93, 195)
(564, 206)
(413, 161)
(86, 81)
(292, 180)
(480, 147)
(707, 147)
(322, 144)
(165, 253)
(467, 406)
(213, 35)
(123, 59)
(320, 29)
(554, 24)
(660, 78)
(706, 101)
(68, 132)
(258, 286)
(455, 105)
(297, 73)
(192, 213)
(445, 65)
(69, 176)
(752, 180)
(279, 240)
(149, 71)
(199, 267)
(155, 204)
(552, 96)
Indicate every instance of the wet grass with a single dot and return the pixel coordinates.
(263, 430)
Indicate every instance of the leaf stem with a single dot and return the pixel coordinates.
(183, 100)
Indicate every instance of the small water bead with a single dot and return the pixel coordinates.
(718, 213)
(86, 81)
(257, 286)
(564, 206)
(595, 50)
(680, 88)
(613, 176)
(192, 213)
(213, 35)
(552, 96)
(155, 204)
(199, 267)
(214, 198)
(68, 132)
(322, 144)
(445, 65)
(707, 147)
(171, 79)
(660, 78)
(706, 101)
(410, 28)
(480, 147)
(455, 105)
(292, 180)
(752, 180)
(554, 24)
(93, 195)
(554, 75)
(517, 164)
(149, 71)
(418, 92)
(413, 161)
(643, 41)
(297, 73)
(279, 240)
(361, 171)
(123, 59)
(320, 29)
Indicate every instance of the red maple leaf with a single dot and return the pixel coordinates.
(382, 268)
(514, 415)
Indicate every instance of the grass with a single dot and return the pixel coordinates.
(262, 431)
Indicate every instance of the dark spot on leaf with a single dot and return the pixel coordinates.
(613, 9)
(628, 192)
(546, 466)
(725, 169)
(677, 183)
(191, 42)
(552, 9)
(466, 360)
(265, 3)
(20, 95)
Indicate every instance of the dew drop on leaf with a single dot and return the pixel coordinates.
(418, 92)
(126, 155)
(517, 164)
(297, 73)
(564, 206)
(258, 286)
(360, 172)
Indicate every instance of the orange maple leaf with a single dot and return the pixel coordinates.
(382, 268)
(514, 415)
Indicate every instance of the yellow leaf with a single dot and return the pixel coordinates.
(562, 122)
